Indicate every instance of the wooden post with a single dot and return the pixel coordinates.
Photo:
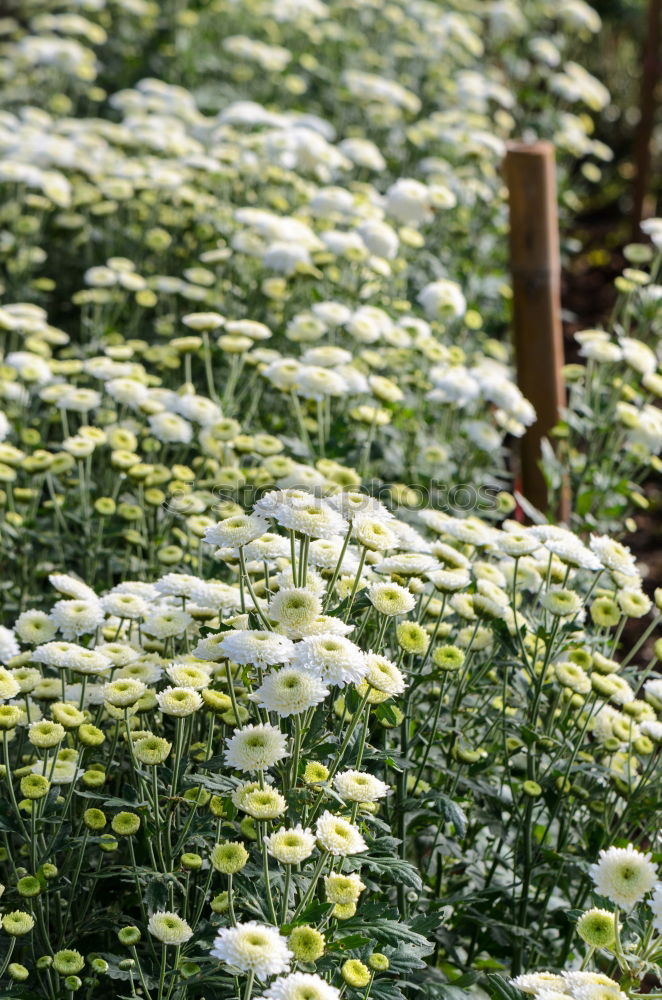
(651, 70)
(536, 276)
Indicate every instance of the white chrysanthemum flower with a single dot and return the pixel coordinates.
(179, 701)
(163, 624)
(124, 691)
(533, 982)
(294, 608)
(613, 555)
(190, 675)
(70, 586)
(125, 606)
(176, 584)
(343, 889)
(255, 748)
(9, 686)
(624, 875)
(301, 986)
(289, 692)
(169, 928)
(240, 529)
(8, 645)
(169, 428)
(291, 846)
(373, 532)
(359, 786)
(338, 836)
(77, 617)
(257, 647)
(309, 516)
(253, 947)
(35, 626)
(120, 654)
(332, 658)
(383, 675)
(655, 904)
(391, 598)
(72, 656)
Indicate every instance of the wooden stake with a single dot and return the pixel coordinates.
(650, 78)
(536, 276)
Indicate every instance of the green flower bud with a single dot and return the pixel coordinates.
(44, 962)
(90, 736)
(108, 843)
(315, 773)
(597, 928)
(152, 750)
(17, 923)
(35, 786)
(99, 965)
(191, 862)
(28, 886)
(247, 828)
(94, 778)
(73, 983)
(216, 806)
(229, 858)
(125, 824)
(378, 962)
(10, 716)
(307, 943)
(532, 789)
(127, 963)
(48, 870)
(221, 903)
(68, 962)
(129, 935)
(355, 973)
(94, 819)
(17, 972)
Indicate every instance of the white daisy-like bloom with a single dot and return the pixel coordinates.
(236, 530)
(449, 581)
(179, 701)
(338, 836)
(534, 982)
(294, 608)
(310, 516)
(624, 875)
(407, 564)
(72, 656)
(163, 624)
(301, 986)
(34, 626)
(332, 658)
(321, 625)
(169, 428)
(655, 904)
(190, 675)
(255, 747)
(373, 532)
(9, 686)
(326, 552)
(70, 586)
(257, 647)
(268, 547)
(125, 606)
(613, 555)
(77, 617)
(253, 947)
(383, 675)
(9, 647)
(291, 846)
(391, 598)
(359, 786)
(169, 928)
(289, 691)
(176, 584)
(63, 772)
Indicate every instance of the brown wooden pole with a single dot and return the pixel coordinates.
(651, 70)
(536, 276)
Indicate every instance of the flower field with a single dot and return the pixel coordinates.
(300, 698)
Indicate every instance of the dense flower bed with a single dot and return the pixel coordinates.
(292, 704)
